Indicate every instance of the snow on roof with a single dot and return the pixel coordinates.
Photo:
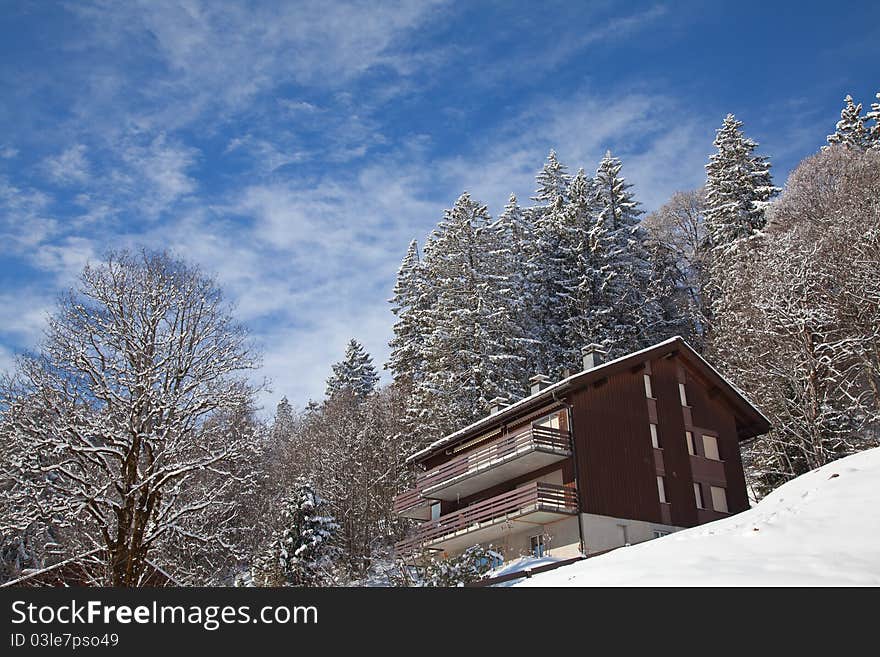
(549, 390)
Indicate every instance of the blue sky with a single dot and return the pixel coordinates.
(294, 149)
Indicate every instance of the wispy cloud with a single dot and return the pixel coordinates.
(157, 173)
(223, 54)
(71, 166)
(25, 220)
(294, 149)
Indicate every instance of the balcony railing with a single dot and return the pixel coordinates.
(410, 499)
(535, 438)
(533, 498)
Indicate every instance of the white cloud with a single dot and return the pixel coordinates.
(298, 106)
(7, 360)
(228, 52)
(65, 258)
(266, 155)
(23, 313)
(24, 217)
(663, 147)
(156, 174)
(311, 266)
(69, 167)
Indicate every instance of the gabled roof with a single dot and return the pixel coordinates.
(751, 421)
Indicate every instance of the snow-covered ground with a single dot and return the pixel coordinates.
(519, 565)
(821, 529)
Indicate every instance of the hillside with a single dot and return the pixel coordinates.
(821, 529)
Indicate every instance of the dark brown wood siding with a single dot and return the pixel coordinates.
(670, 426)
(617, 475)
(616, 463)
(713, 413)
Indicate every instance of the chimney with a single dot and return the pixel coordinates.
(538, 382)
(496, 404)
(593, 356)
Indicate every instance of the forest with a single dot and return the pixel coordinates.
(132, 448)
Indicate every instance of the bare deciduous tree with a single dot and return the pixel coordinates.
(103, 430)
(678, 241)
(796, 318)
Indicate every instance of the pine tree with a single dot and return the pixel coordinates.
(301, 551)
(513, 244)
(409, 303)
(575, 274)
(469, 358)
(283, 426)
(355, 374)
(625, 317)
(738, 186)
(553, 181)
(514, 229)
(874, 115)
(553, 280)
(851, 131)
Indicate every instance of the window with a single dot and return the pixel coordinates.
(682, 395)
(649, 393)
(655, 441)
(661, 488)
(690, 441)
(552, 420)
(719, 498)
(698, 495)
(435, 511)
(660, 534)
(710, 448)
(537, 545)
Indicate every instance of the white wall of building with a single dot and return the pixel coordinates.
(606, 532)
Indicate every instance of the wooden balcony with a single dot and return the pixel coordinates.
(411, 504)
(502, 460)
(485, 521)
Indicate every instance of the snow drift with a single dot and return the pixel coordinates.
(821, 529)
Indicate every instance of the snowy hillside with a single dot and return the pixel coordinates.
(821, 529)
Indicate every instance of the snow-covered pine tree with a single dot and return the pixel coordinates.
(354, 374)
(627, 314)
(579, 316)
(512, 240)
(553, 181)
(874, 130)
(468, 358)
(552, 271)
(409, 303)
(851, 131)
(549, 282)
(282, 426)
(301, 550)
(514, 232)
(738, 186)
